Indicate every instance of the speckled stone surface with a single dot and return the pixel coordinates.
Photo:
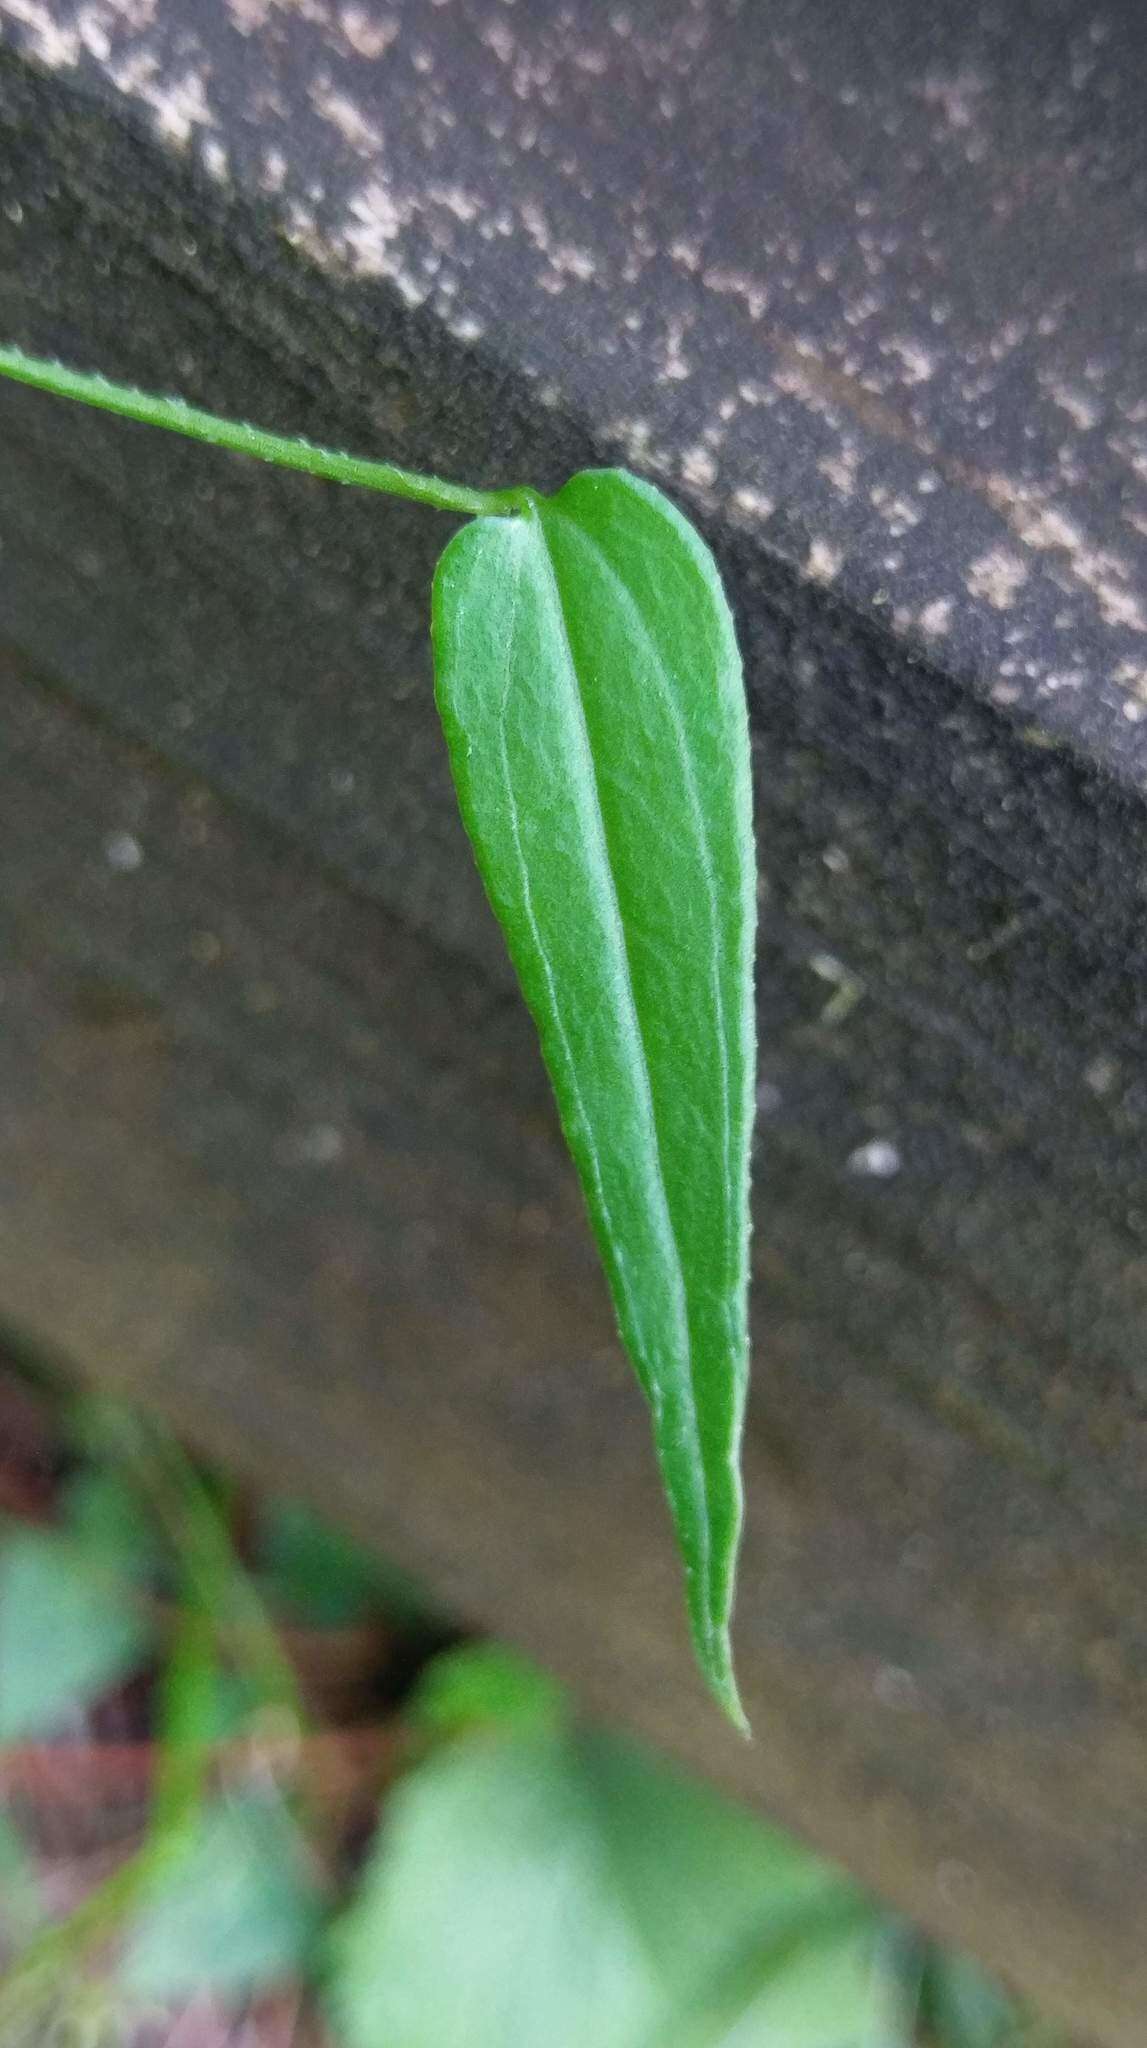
(866, 288)
(884, 269)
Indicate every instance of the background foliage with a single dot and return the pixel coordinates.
(526, 1878)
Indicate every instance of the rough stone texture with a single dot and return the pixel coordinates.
(866, 289)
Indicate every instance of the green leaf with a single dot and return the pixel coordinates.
(485, 1915)
(484, 1684)
(68, 1631)
(112, 1528)
(590, 688)
(553, 1890)
(835, 1987)
(963, 2007)
(238, 1911)
(313, 1574)
(754, 1939)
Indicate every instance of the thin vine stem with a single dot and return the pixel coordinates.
(284, 450)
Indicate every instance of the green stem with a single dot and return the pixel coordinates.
(199, 1538)
(289, 453)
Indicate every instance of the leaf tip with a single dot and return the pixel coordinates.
(722, 1680)
(735, 1713)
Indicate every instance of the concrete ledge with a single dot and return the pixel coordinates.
(279, 1154)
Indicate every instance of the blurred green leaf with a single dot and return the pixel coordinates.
(485, 1683)
(962, 2006)
(835, 1986)
(755, 1940)
(553, 1889)
(238, 1910)
(69, 1630)
(103, 1513)
(486, 1915)
(316, 1576)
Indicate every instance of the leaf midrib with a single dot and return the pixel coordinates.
(628, 603)
(697, 1458)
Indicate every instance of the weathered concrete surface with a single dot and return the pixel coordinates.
(866, 288)
(879, 265)
(271, 1164)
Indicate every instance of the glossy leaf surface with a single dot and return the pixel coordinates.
(590, 687)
